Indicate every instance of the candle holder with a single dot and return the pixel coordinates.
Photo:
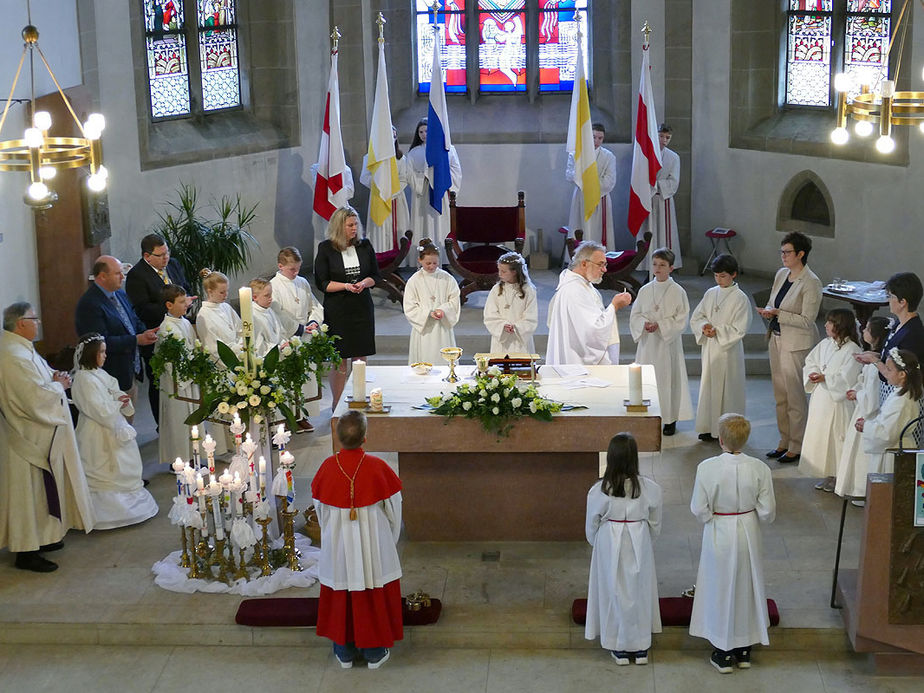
(312, 528)
(288, 533)
(635, 408)
(213, 553)
(203, 551)
(195, 572)
(265, 569)
(184, 556)
(222, 561)
(241, 572)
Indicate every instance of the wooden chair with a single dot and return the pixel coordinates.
(484, 229)
(389, 262)
(619, 270)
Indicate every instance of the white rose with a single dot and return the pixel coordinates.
(265, 390)
(295, 341)
(254, 400)
(262, 374)
(223, 407)
(241, 390)
(495, 398)
(287, 351)
(198, 344)
(494, 370)
(532, 407)
(466, 405)
(516, 402)
(271, 404)
(232, 409)
(256, 383)
(257, 419)
(495, 411)
(324, 327)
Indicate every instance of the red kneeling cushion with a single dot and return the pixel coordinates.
(675, 611)
(624, 260)
(303, 611)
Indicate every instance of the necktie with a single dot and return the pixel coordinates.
(163, 276)
(127, 322)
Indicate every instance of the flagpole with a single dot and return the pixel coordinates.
(380, 21)
(335, 39)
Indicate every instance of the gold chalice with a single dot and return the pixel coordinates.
(451, 354)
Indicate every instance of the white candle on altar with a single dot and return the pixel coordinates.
(246, 297)
(359, 381)
(635, 384)
(178, 466)
(200, 492)
(216, 512)
(262, 470)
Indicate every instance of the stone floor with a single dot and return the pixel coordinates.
(505, 625)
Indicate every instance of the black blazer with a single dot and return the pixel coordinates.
(95, 313)
(145, 288)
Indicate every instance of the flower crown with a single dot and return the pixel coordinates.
(78, 352)
(895, 356)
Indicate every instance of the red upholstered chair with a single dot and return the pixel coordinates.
(483, 229)
(619, 270)
(389, 262)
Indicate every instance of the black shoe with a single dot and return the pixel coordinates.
(47, 548)
(669, 429)
(706, 437)
(773, 454)
(723, 661)
(742, 655)
(32, 560)
(145, 482)
(788, 458)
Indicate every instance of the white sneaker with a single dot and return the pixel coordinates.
(859, 502)
(376, 665)
(622, 658)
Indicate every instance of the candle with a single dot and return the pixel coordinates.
(194, 436)
(246, 297)
(237, 487)
(216, 512)
(359, 381)
(200, 492)
(178, 466)
(225, 480)
(262, 477)
(214, 486)
(635, 384)
(375, 399)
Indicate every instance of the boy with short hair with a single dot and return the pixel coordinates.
(267, 332)
(732, 494)
(658, 318)
(173, 433)
(358, 501)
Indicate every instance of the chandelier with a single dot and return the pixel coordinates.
(41, 154)
(879, 103)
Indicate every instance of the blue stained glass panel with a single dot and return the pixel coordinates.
(218, 59)
(808, 60)
(168, 70)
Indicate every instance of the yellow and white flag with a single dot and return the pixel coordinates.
(382, 163)
(581, 140)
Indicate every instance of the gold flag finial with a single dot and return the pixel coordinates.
(335, 39)
(647, 31)
(577, 21)
(381, 23)
(435, 8)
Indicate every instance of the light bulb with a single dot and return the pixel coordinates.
(103, 171)
(33, 138)
(38, 191)
(48, 172)
(885, 144)
(863, 128)
(839, 136)
(921, 126)
(841, 82)
(97, 121)
(96, 182)
(42, 120)
(91, 131)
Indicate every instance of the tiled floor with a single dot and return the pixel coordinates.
(99, 623)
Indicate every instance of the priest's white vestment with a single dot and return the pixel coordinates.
(662, 222)
(36, 434)
(388, 236)
(425, 222)
(882, 431)
(424, 293)
(732, 494)
(173, 433)
(603, 214)
(721, 388)
(581, 328)
(622, 594)
(666, 304)
(853, 464)
(829, 409)
(509, 308)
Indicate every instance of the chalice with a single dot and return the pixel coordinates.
(451, 354)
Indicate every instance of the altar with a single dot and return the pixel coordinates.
(464, 484)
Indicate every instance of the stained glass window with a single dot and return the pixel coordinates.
(451, 22)
(558, 43)
(218, 54)
(808, 74)
(168, 71)
(866, 43)
(502, 45)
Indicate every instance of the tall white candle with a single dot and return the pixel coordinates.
(262, 466)
(635, 384)
(216, 513)
(200, 492)
(359, 381)
(246, 297)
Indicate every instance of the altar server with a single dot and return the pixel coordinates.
(581, 329)
(431, 305)
(388, 235)
(829, 371)
(511, 312)
(719, 324)
(732, 494)
(663, 219)
(173, 433)
(623, 516)
(296, 307)
(108, 449)
(43, 490)
(852, 466)
(217, 321)
(358, 501)
(267, 332)
(599, 227)
(658, 318)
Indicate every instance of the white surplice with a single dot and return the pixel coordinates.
(294, 304)
(267, 332)
(622, 594)
(173, 433)
(109, 452)
(829, 409)
(853, 465)
(217, 322)
(603, 213)
(665, 303)
(882, 432)
(581, 328)
(662, 222)
(425, 222)
(730, 606)
(388, 235)
(424, 293)
(509, 308)
(721, 388)
(36, 434)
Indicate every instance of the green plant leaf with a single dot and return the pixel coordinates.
(227, 356)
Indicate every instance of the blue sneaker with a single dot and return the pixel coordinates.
(622, 658)
(641, 657)
(379, 662)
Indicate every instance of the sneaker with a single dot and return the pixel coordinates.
(826, 485)
(304, 426)
(723, 661)
(622, 658)
(379, 662)
(641, 657)
(669, 429)
(344, 663)
(742, 657)
(706, 437)
(774, 454)
(859, 502)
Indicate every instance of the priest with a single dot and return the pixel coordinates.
(581, 329)
(43, 490)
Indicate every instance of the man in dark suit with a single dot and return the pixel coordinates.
(104, 308)
(144, 285)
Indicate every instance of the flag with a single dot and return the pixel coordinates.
(646, 156)
(581, 140)
(381, 160)
(329, 191)
(438, 140)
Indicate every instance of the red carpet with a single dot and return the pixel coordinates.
(303, 611)
(675, 611)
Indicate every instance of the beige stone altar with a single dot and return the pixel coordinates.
(464, 484)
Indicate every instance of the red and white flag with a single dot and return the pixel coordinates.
(646, 156)
(330, 191)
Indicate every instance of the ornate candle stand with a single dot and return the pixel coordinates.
(288, 533)
(265, 567)
(222, 561)
(194, 571)
(184, 555)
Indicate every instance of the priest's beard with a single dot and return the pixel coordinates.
(597, 280)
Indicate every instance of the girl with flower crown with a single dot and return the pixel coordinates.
(511, 313)
(431, 305)
(884, 431)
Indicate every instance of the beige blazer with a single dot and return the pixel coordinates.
(799, 309)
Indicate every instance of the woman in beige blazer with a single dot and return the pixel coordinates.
(792, 309)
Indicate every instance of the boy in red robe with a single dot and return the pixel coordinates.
(358, 501)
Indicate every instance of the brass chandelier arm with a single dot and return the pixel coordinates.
(9, 100)
(60, 90)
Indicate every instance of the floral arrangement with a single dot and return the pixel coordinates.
(496, 400)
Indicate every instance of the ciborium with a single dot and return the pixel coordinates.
(451, 355)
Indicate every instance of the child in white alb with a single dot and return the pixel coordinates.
(431, 305)
(267, 332)
(216, 320)
(511, 312)
(173, 433)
